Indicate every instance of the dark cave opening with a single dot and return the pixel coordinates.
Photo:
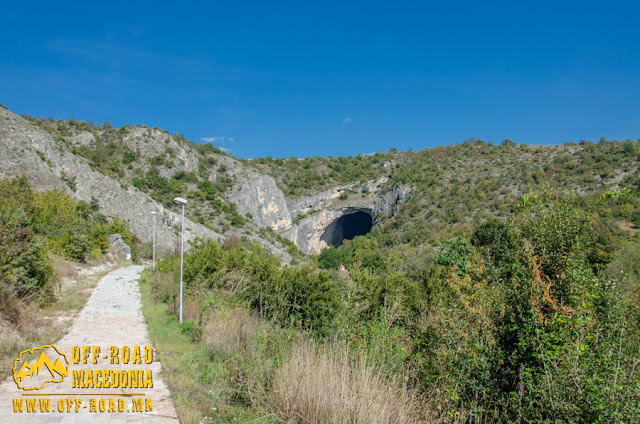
(347, 227)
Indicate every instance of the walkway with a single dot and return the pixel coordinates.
(111, 317)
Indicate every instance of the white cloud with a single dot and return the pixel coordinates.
(214, 139)
(346, 120)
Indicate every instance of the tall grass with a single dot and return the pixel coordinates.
(290, 377)
(327, 384)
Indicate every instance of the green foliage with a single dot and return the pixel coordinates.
(455, 254)
(128, 157)
(299, 296)
(332, 258)
(120, 226)
(498, 316)
(558, 230)
(507, 320)
(304, 176)
(68, 228)
(496, 239)
(625, 267)
(24, 267)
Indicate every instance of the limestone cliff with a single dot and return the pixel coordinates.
(27, 150)
(140, 169)
(318, 213)
(258, 196)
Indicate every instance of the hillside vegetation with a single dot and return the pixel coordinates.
(451, 186)
(470, 181)
(36, 230)
(534, 318)
(151, 160)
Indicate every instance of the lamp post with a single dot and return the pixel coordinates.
(182, 201)
(154, 239)
(171, 235)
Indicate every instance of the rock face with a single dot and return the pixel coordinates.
(258, 197)
(321, 214)
(27, 150)
(119, 248)
(352, 223)
(388, 201)
(312, 223)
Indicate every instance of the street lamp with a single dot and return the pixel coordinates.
(183, 202)
(171, 235)
(154, 239)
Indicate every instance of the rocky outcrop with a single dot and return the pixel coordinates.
(310, 234)
(27, 150)
(388, 200)
(319, 212)
(258, 197)
(119, 248)
(50, 163)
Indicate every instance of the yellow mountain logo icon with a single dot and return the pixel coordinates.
(32, 375)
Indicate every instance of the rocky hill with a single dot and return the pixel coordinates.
(298, 204)
(425, 195)
(129, 172)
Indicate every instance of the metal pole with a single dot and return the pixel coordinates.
(171, 234)
(181, 262)
(154, 241)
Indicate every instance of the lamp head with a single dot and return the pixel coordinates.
(154, 212)
(180, 200)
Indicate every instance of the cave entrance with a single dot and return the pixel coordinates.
(348, 226)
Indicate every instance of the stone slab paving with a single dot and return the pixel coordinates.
(111, 317)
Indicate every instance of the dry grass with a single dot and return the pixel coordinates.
(628, 227)
(63, 268)
(198, 379)
(190, 309)
(26, 330)
(300, 382)
(31, 326)
(230, 331)
(247, 368)
(329, 385)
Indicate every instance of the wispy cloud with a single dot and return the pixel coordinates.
(214, 139)
(346, 121)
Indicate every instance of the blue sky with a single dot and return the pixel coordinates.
(306, 78)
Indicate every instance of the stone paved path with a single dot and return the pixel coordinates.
(111, 317)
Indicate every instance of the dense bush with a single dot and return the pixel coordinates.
(506, 320)
(290, 295)
(24, 267)
(33, 224)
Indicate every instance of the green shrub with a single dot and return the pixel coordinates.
(24, 266)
